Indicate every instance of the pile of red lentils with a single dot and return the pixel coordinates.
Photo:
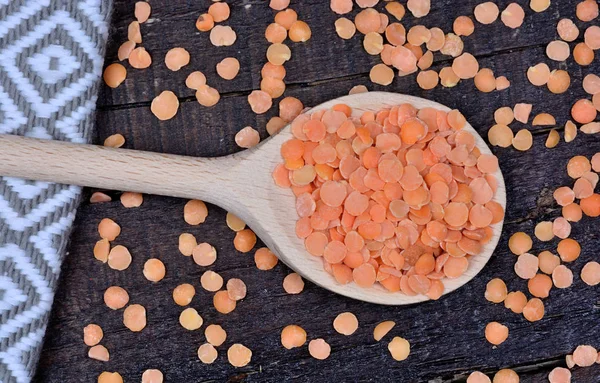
(401, 197)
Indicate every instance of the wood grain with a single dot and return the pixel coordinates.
(446, 336)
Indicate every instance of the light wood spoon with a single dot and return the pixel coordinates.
(240, 183)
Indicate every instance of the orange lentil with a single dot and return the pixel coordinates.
(496, 333)
(437, 40)
(453, 45)
(92, 334)
(239, 355)
(538, 74)
(279, 5)
(293, 284)
(520, 243)
(114, 75)
(275, 33)
(98, 197)
(154, 270)
(515, 301)
(553, 139)
(101, 250)
(568, 249)
(496, 291)
(125, 50)
(341, 6)
(139, 58)
(236, 288)
(265, 259)
(486, 13)
(395, 9)
(502, 83)
(142, 11)
(260, 101)
(119, 258)
(485, 80)
(419, 8)
(133, 32)
(244, 240)
(540, 285)
(587, 10)
(205, 22)
(195, 212)
(189, 319)
(478, 377)
(513, 16)
(99, 352)
(247, 137)
(463, 26)
(219, 11)
(116, 297)
(526, 266)
(286, 18)
(506, 376)
(562, 277)
(585, 356)
(539, 5)
(427, 79)
(319, 349)
(559, 375)
(590, 273)
(223, 303)
(299, 32)
(345, 28)
(382, 329)
(211, 281)
(500, 135)
(183, 294)
(583, 111)
(465, 66)
(592, 37)
(572, 212)
(534, 310)
(399, 348)
(448, 78)
(108, 229)
(215, 335)
(110, 377)
(522, 111)
(130, 199)
(590, 206)
(177, 58)
(345, 323)
(134, 317)
(187, 242)
(583, 54)
(523, 140)
(195, 79)
(293, 336)
(558, 50)
(229, 67)
(567, 30)
(222, 36)
(204, 254)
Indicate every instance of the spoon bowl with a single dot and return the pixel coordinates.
(240, 183)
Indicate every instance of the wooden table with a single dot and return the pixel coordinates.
(446, 336)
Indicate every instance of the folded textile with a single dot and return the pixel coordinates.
(51, 56)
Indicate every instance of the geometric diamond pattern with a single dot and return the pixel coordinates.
(51, 60)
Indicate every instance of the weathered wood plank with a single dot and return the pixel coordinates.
(446, 336)
(324, 56)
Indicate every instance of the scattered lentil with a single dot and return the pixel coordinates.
(293, 336)
(183, 294)
(134, 317)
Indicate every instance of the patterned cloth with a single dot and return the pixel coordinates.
(51, 55)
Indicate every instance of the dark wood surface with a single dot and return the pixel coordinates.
(447, 336)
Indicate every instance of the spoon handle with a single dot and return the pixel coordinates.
(110, 168)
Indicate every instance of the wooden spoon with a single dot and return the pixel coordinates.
(240, 183)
